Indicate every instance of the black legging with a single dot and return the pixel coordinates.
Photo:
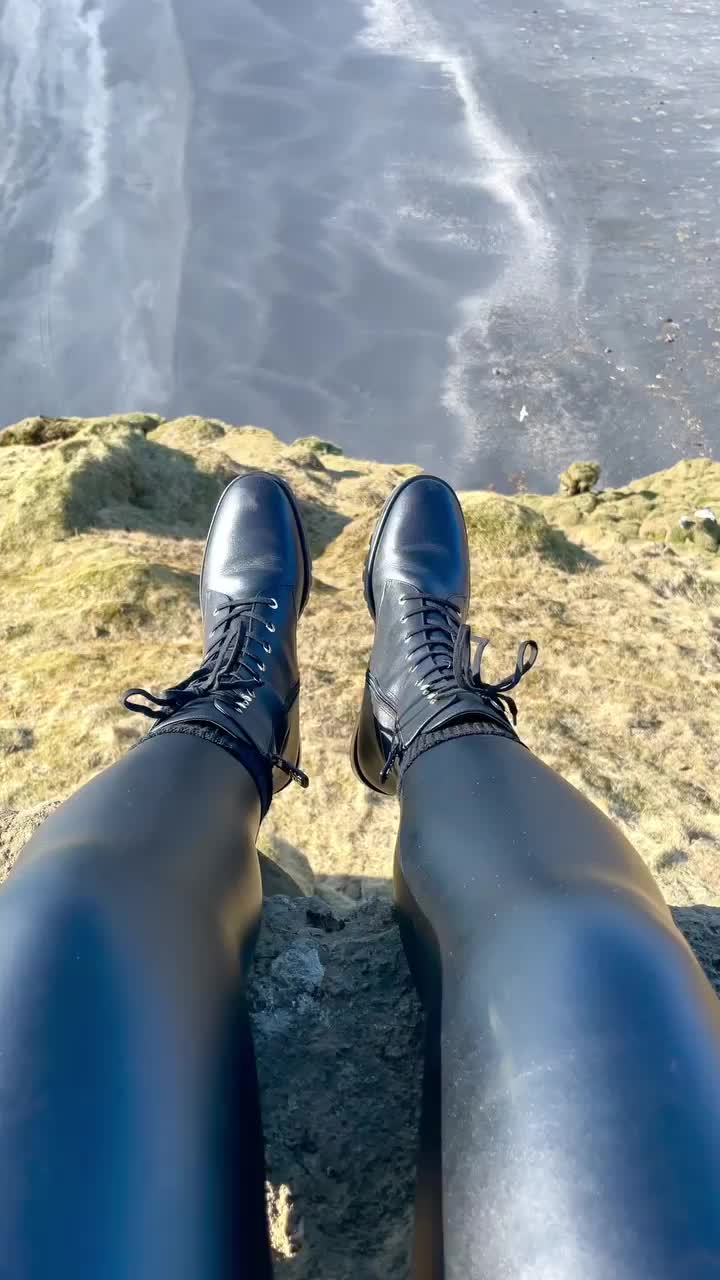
(571, 1125)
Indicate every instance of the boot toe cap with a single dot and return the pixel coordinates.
(421, 539)
(256, 542)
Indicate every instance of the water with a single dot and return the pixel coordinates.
(475, 235)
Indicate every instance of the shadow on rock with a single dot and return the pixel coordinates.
(337, 1030)
(701, 927)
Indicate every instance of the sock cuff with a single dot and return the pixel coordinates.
(469, 728)
(259, 769)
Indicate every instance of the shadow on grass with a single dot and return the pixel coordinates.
(348, 474)
(146, 486)
(322, 523)
(566, 555)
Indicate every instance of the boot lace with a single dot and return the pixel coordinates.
(442, 645)
(232, 670)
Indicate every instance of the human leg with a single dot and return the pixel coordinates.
(130, 1142)
(571, 1121)
(574, 1041)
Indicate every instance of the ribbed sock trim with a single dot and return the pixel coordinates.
(465, 729)
(260, 770)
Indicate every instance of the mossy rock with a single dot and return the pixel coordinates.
(624, 506)
(300, 455)
(580, 477)
(189, 433)
(106, 476)
(562, 509)
(317, 445)
(705, 534)
(678, 535)
(657, 528)
(647, 509)
(500, 526)
(37, 431)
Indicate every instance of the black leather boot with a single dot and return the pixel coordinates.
(254, 584)
(421, 679)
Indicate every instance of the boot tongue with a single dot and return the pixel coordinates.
(436, 638)
(225, 636)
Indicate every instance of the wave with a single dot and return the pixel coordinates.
(92, 173)
(529, 281)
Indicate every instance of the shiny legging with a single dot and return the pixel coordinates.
(571, 1120)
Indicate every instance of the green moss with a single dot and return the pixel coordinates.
(300, 455)
(316, 445)
(189, 433)
(503, 526)
(106, 476)
(37, 431)
(706, 536)
(677, 536)
(580, 477)
(647, 509)
(125, 594)
(655, 528)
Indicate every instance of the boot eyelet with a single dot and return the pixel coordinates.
(261, 666)
(270, 626)
(267, 648)
(273, 603)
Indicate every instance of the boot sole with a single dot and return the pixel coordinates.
(370, 601)
(307, 562)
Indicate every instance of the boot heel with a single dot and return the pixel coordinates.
(366, 748)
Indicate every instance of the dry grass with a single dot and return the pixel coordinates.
(101, 540)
